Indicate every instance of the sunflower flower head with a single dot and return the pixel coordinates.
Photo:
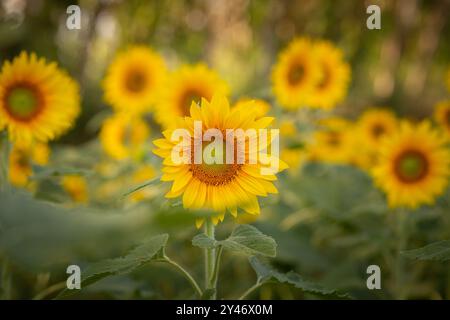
(76, 187)
(220, 185)
(295, 74)
(442, 116)
(133, 79)
(190, 83)
(38, 101)
(414, 166)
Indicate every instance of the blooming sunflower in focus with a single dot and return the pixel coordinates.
(442, 116)
(414, 166)
(296, 74)
(123, 136)
(219, 187)
(259, 106)
(333, 142)
(38, 101)
(76, 187)
(21, 159)
(133, 80)
(189, 84)
(334, 76)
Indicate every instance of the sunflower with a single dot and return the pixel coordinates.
(21, 159)
(375, 124)
(260, 107)
(414, 166)
(133, 80)
(296, 74)
(442, 116)
(123, 136)
(219, 187)
(333, 142)
(334, 76)
(187, 84)
(76, 187)
(38, 101)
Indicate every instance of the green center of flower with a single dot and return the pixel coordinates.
(411, 166)
(296, 74)
(22, 103)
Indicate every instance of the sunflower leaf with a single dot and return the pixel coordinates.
(266, 273)
(436, 251)
(244, 239)
(150, 250)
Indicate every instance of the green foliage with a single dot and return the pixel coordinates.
(245, 239)
(266, 273)
(437, 251)
(151, 250)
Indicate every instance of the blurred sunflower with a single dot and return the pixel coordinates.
(76, 187)
(375, 124)
(188, 84)
(133, 80)
(333, 142)
(219, 187)
(296, 74)
(414, 166)
(21, 159)
(293, 151)
(334, 76)
(139, 176)
(38, 101)
(259, 106)
(442, 116)
(123, 136)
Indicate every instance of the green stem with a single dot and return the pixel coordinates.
(209, 258)
(215, 274)
(186, 274)
(402, 238)
(251, 290)
(4, 159)
(56, 287)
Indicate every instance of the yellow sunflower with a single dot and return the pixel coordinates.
(123, 136)
(21, 159)
(38, 101)
(375, 124)
(414, 166)
(133, 80)
(442, 116)
(76, 187)
(334, 76)
(218, 186)
(188, 84)
(333, 142)
(296, 74)
(260, 107)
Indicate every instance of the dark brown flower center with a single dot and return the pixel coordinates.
(378, 130)
(189, 96)
(23, 101)
(296, 73)
(411, 166)
(135, 81)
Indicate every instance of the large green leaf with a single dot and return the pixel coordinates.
(140, 255)
(244, 239)
(266, 273)
(437, 251)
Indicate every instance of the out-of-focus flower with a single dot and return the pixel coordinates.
(295, 74)
(334, 76)
(414, 166)
(124, 137)
(77, 188)
(188, 84)
(133, 79)
(38, 101)
(219, 187)
(21, 158)
(141, 175)
(333, 142)
(442, 116)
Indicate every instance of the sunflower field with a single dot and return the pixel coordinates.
(115, 183)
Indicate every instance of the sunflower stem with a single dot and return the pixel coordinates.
(4, 157)
(210, 255)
